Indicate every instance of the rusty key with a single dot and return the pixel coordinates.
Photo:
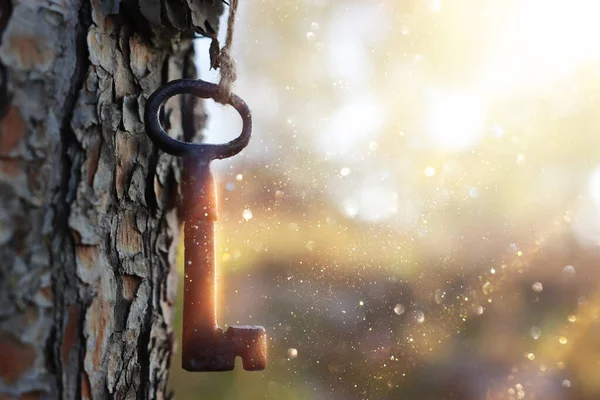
(205, 347)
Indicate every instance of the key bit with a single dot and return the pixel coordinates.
(205, 347)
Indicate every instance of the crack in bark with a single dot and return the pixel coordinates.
(189, 119)
(150, 195)
(144, 340)
(63, 256)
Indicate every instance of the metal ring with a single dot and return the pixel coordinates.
(205, 90)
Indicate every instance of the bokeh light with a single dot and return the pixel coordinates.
(456, 119)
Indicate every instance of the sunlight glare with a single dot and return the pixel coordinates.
(547, 39)
(354, 124)
(455, 120)
(594, 187)
(586, 224)
(372, 203)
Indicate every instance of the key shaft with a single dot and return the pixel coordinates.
(200, 213)
(205, 347)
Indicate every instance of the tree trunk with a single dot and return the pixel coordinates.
(88, 223)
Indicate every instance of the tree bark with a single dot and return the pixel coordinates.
(88, 221)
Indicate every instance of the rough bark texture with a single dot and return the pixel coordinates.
(88, 223)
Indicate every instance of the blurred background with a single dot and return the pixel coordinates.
(418, 213)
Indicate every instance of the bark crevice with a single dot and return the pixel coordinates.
(63, 253)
